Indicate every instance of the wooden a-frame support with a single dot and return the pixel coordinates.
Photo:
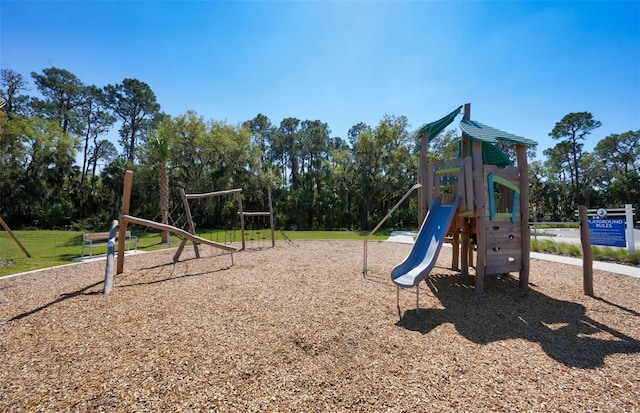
(15, 239)
(125, 219)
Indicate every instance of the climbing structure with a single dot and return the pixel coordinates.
(493, 214)
(243, 214)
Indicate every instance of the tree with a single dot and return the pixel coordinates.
(159, 145)
(102, 150)
(42, 188)
(385, 168)
(572, 129)
(96, 120)
(445, 146)
(11, 84)
(262, 132)
(537, 193)
(312, 153)
(134, 103)
(336, 206)
(626, 189)
(287, 145)
(187, 157)
(558, 169)
(620, 152)
(355, 131)
(595, 178)
(63, 94)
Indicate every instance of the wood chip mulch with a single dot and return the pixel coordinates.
(298, 328)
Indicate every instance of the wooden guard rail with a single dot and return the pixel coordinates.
(391, 211)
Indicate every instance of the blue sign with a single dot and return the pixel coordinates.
(608, 232)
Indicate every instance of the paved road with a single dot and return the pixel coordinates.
(572, 235)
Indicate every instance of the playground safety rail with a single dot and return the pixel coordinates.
(391, 211)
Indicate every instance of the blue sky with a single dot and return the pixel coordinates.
(521, 65)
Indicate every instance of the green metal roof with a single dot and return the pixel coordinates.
(433, 129)
(481, 132)
(492, 155)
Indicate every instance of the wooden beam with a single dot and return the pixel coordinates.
(239, 196)
(182, 233)
(271, 223)
(6, 228)
(481, 213)
(192, 227)
(122, 229)
(423, 200)
(587, 254)
(212, 194)
(256, 214)
(525, 231)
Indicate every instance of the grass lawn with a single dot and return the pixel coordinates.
(52, 248)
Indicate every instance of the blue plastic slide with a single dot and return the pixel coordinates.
(422, 257)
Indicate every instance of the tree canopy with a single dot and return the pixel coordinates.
(58, 168)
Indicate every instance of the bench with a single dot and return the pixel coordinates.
(100, 239)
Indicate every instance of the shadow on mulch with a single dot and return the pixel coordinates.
(506, 312)
(172, 277)
(63, 297)
(86, 290)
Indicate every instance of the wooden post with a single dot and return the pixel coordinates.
(179, 250)
(465, 245)
(468, 183)
(455, 253)
(241, 212)
(271, 223)
(631, 243)
(423, 200)
(6, 228)
(432, 187)
(466, 143)
(481, 213)
(587, 254)
(466, 258)
(192, 227)
(126, 201)
(458, 221)
(525, 232)
(111, 246)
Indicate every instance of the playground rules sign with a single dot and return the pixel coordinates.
(607, 231)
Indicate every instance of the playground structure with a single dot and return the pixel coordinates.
(242, 214)
(490, 197)
(125, 219)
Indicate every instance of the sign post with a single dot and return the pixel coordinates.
(628, 212)
(587, 254)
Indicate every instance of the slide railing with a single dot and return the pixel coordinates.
(391, 211)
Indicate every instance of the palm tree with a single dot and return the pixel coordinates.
(159, 145)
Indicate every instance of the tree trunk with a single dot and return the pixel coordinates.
(164, 199)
